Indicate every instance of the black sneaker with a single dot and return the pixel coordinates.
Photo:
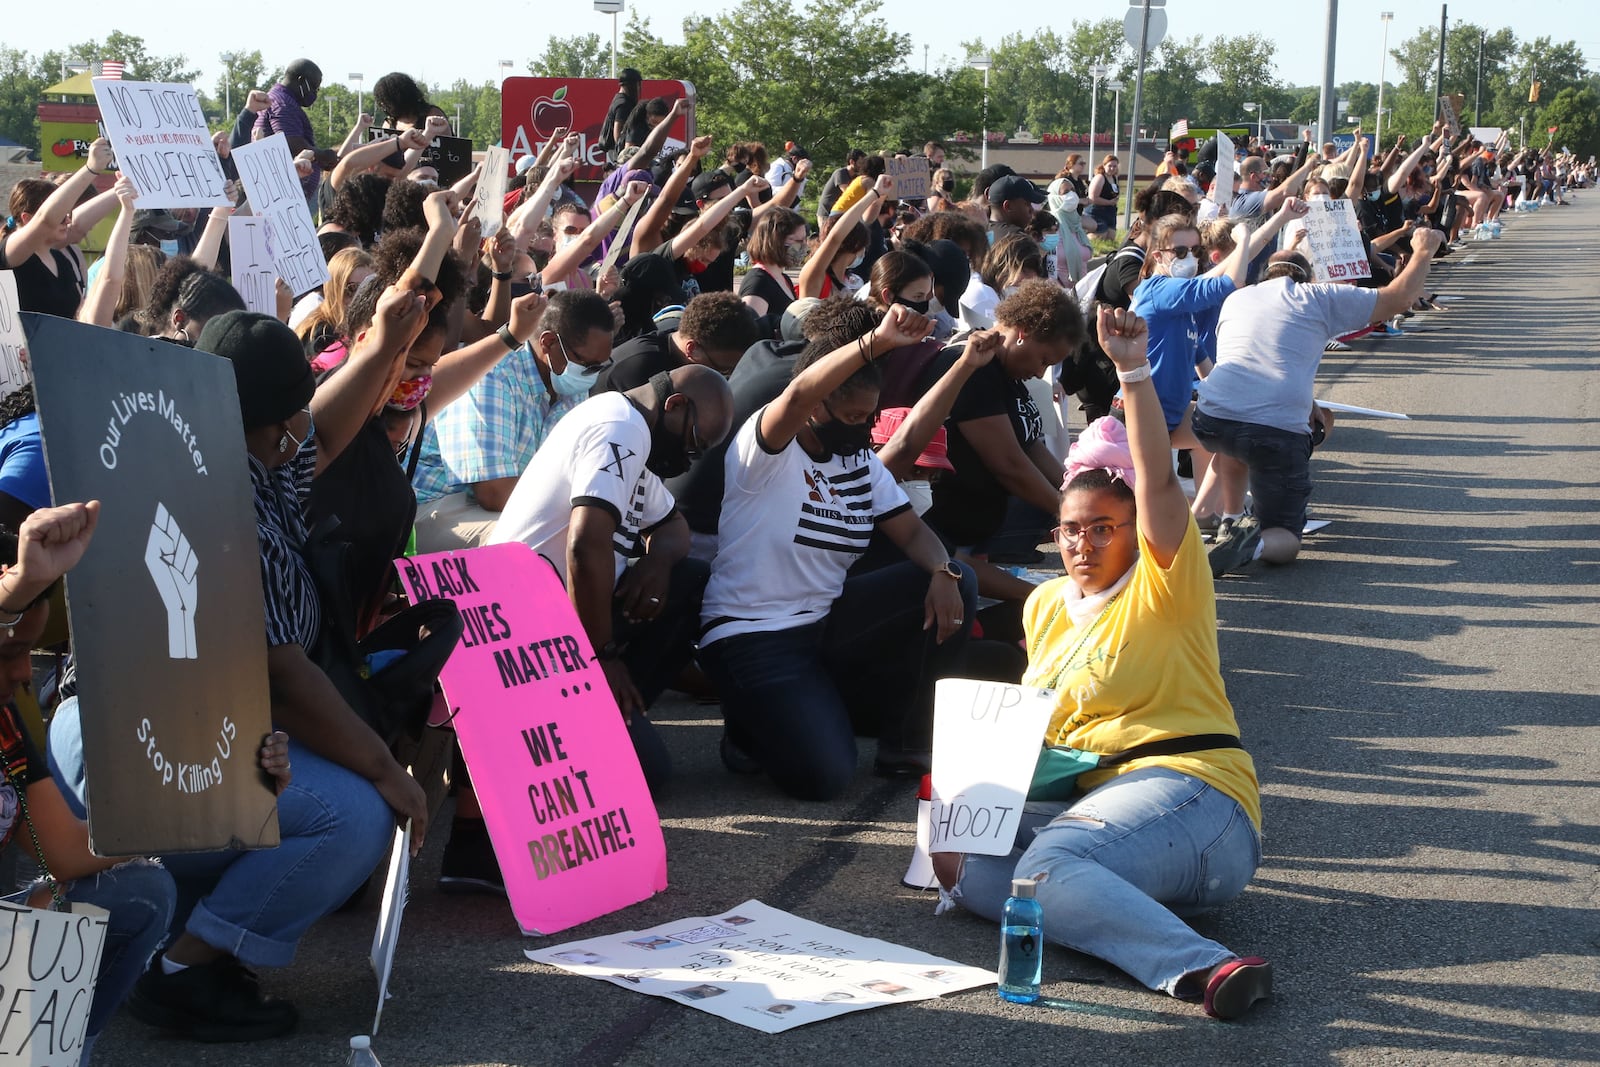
(1235, 544)
(469, 864)
(219, 1001)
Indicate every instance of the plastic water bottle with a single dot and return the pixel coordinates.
(1021, 944)
(361, 1053)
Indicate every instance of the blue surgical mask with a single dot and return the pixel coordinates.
(861, 258)
(1049, 243)
(576, 380)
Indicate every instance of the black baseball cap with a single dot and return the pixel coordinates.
(710, 182)
(629, 76)
(1014, 187)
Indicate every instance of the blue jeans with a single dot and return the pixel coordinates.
(334, 829)
(794, 698)
(139, 898)
(1117, 867)
(1279, 462)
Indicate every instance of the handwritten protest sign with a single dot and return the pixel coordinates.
(910, 177)
(567, 808)
(986, 738)
(1222, 191)
(1333, 241)
(492, 183)
(152, 430)
(13, 341)
(386, 939)
(764, 968)
(1450, 112)
(254, 274)
(47, 1008)
(162, 143)
(273, 186)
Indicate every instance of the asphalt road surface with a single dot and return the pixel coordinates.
(1419, 692)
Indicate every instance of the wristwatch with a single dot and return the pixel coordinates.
(950, 569)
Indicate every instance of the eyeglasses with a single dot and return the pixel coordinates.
(1182, 251)
(693, 447)
(588, 370)
(1100, 534)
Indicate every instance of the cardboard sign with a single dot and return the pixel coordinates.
(48, 973)
(162, 143)
(1449, 113)
(270, 181)
(13, 341)
(532, 109)
(911, 178)
(450, 156)
(986, 738)
(250, 254)
(1222, 190)
(1333, 240)
(396, 894)
(166, 608)
(764, 968)
(566, 805)
(492, 184)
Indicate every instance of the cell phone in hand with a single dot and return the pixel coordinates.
(113, 164)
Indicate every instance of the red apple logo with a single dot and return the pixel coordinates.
(551, 113)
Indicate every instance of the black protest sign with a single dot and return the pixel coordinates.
(168, 628)
(450, 156)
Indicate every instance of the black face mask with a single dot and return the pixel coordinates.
(919, 306)
(668, 457)
(841, 439)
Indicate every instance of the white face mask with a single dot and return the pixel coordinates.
(920, 493)
(1187, 267)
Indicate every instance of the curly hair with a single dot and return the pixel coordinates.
(390, 260)
(832, 325)
(359, 207)
(399, 97)
(402, 206)
(184, 285)
(721, 322)
(956, 226)
(1044, 311)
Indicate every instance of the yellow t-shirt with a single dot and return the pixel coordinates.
(1148, 671)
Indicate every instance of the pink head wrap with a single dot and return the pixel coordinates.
(1102, 445)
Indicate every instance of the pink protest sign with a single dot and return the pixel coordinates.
(566, 804)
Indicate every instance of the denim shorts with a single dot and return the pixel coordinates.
(1279, 462)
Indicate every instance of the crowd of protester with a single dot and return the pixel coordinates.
(788, 467)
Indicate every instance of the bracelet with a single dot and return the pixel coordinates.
(506, 337)
(500, 275)
(95, 173)
(1137, 374)
(864, 349)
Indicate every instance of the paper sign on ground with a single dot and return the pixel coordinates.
(1222, 191)
(764, 968)
(1333, 240)
(986, 738)
(152, 430)
(396, 892)
(273, 185)
(911, 178)
(48, 1012)
(162, 143)
(250, 253)
(492, 183)
(13, 340)
(567, 808)
(1351, 409)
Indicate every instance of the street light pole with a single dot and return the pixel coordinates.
(1133, 133)
(612, 8)
(357, 78)
(505, 65)
(983, 62)
(1096, 72)
(1477, 102)
(1116, 116)
(227, 86)
(1256, 110)
(1383, 74)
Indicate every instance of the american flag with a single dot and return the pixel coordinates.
(111, 69)
(1179, 129)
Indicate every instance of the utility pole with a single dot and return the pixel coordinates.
(1444, 33)
(1133, 133)
(1477, 103)
(1325, 110)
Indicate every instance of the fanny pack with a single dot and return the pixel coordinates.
(1056, 772)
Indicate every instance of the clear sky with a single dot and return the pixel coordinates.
(345, 38)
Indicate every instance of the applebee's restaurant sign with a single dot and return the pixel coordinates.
(533, 110)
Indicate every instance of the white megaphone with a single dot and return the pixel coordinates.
(920, 874)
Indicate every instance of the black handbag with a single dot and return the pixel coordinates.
(392, 693)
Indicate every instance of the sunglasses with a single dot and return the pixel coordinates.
(1182, 251)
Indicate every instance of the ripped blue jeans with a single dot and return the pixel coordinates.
(1118, 867)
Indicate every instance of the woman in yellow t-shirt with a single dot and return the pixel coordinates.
(1127, 640)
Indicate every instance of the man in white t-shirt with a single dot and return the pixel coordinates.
(592, 504)
(1256, 409)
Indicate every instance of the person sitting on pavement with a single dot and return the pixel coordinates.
(1256, 409)
(802, 655)
(1127, 642)
(591, 503)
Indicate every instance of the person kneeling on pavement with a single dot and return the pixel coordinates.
(801, 654)
(592, 504)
